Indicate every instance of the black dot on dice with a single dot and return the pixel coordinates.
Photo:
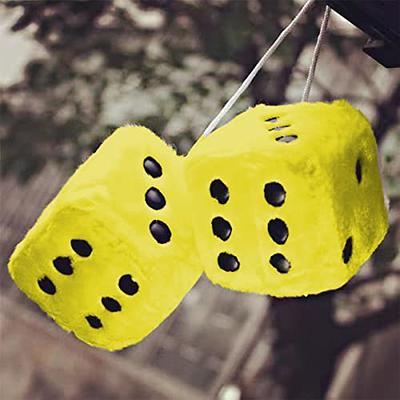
(221, 228)
(228, 262)
(358, 171)
(279, 128)
(94, 321)
(152, 167)
(274, 194)
(47, 285)
(272, 119)
(63, 265)
(219, 191)
(155, 199)
(160, 231)
(81, 247)
(111, 304)
(286, 139)
(347, 250)
(278, 230)
(280, 263)
(128, 285)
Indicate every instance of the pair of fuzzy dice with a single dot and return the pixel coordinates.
(112, 256)
(289, 198)
(283, 200)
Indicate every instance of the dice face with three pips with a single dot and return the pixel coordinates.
(112, 255)
(289, 199)
(283, 200)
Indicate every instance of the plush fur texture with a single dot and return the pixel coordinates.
(325, 205)
(104, 204)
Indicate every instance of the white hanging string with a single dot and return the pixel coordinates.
(317, 51)
(245, 84)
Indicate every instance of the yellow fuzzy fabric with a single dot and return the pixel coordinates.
(104, 204)
(323, 157)
(324, 204)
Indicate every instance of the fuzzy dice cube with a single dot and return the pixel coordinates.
(288, 198)
(111, 256)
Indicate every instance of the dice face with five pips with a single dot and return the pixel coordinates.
(112, 255)
(289, 199)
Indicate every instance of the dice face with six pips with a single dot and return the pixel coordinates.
(288, 198)
(112, 255)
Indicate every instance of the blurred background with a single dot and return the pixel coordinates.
(72, 71)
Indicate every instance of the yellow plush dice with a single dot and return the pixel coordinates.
(288, 198)
(112, 255)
